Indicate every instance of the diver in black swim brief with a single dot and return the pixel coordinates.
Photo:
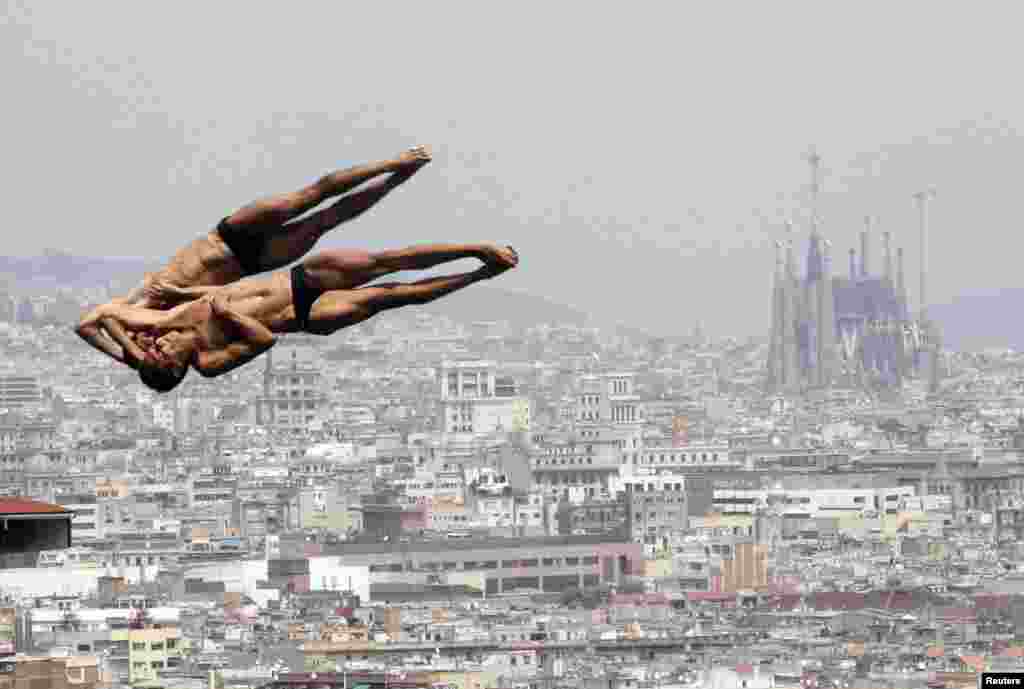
(303, 297)
(246, 245)
(262, 236)
(222, 328)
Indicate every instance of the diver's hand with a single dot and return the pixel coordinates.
(219, 304)
(158, 289)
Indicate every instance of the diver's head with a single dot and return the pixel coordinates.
(162, 378)
(167, 361)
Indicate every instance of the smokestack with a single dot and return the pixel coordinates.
(853, 265)
(864, 247)
(886, 239)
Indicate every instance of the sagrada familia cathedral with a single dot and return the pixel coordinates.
(855, 329)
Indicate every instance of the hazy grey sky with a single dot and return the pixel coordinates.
(640, 156)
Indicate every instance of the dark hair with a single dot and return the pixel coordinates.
(162, 379)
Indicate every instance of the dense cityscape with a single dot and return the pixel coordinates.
(421, 502)
(511, 346)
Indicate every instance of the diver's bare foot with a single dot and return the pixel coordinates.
(504, 257)
(492, 270)
(415, 157)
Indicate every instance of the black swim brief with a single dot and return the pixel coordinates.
(246, 245)
(303, 297)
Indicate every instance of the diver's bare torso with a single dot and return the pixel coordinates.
(205, 260)
(267, 300)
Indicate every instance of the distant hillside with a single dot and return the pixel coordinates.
(77, 272)
(487, 303)
(973, 321)
(979, 321)
(480, 303)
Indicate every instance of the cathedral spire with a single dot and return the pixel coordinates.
(814, 160)
(790, 255)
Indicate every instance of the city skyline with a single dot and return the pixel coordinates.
(732, 396)
(682, 150)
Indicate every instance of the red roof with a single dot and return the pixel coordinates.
(785, 601)
(638, 599)
(27, 506)
(710, 596)
(991, 601)
(892, 600)
(839, 600)
(957, 614)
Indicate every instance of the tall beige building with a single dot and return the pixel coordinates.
(476, 399)
(294, 387)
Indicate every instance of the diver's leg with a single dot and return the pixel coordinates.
(277, 210)
(288, 243)
(350, 268)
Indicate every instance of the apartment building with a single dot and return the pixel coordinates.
(152, 650)
(608, 398)
(812, 502)
(690, 458)
(17, 391)
(507, 565)
(476, 399)
(589, 459)
(69, 672)
(659, 506)
(294, 387)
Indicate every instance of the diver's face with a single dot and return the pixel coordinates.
(156, 349)
(170, 347)
(145, 340)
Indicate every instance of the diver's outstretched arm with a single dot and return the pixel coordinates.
(100, 341)
(172, 294)
(128, 316)
(131, 352)
(107, 336)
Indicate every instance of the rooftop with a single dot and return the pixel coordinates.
(28, 506)
(487, 542)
